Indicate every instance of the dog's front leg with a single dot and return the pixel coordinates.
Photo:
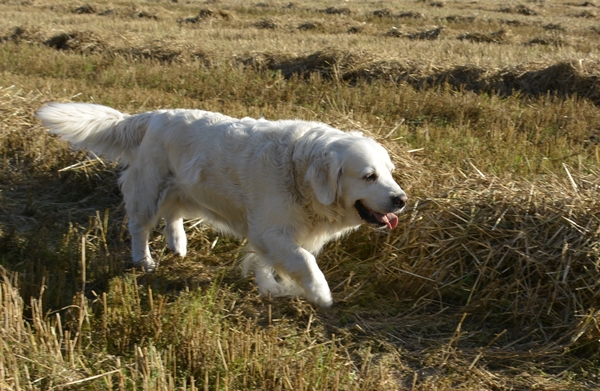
(292, 261)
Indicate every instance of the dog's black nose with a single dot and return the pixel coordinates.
(399, 201)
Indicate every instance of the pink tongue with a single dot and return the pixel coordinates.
(390, 219)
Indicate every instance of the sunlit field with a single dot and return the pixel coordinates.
(491, 281)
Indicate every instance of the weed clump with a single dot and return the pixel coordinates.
(345, 11)
(499, 36)
(519, 9)
(21, 34)
(77, 41)
(204, 14)
(266, 24)
(85, 9)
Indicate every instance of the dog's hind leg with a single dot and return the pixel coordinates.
(144, 192)
(176, 235)
(265, 278)
(173, 215)
(139, 246)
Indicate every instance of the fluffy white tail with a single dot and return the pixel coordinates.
(103, 130)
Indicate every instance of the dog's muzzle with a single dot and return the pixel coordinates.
(388, 219)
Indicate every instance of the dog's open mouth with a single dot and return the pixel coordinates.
(370, 216)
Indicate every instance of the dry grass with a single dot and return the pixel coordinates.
(490, 282)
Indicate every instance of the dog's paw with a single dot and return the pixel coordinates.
(178, 244)
(147, 264)
(320, 298)
(317, 292)
(181, 251)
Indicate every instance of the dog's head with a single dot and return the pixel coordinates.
(356, 172)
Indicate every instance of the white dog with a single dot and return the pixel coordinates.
(289, 187)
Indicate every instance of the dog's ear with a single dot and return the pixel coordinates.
(323, 176)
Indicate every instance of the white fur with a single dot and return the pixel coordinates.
(289, 186)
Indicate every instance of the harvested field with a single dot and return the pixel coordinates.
(491, 281)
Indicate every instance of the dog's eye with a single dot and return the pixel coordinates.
(370, 177)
